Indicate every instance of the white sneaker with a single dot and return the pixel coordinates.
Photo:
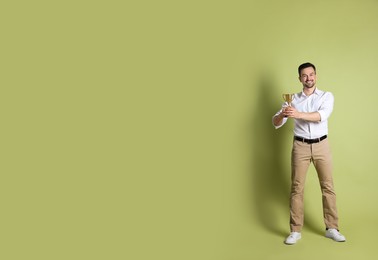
(293, 238)
(335, 235)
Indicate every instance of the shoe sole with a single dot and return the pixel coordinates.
(335, 240)
(290, 244)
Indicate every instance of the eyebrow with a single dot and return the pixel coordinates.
(312, 73)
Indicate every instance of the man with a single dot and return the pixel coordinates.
(310, 110)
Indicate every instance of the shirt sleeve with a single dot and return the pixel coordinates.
(326, 107)
(279, 112)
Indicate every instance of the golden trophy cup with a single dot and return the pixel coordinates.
(288, 98)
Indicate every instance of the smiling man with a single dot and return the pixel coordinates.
(310, 110)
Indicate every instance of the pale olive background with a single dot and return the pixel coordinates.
(142, 129)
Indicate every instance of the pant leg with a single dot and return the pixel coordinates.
(300, 161)
(322, 160)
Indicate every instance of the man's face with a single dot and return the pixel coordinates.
(308, 77)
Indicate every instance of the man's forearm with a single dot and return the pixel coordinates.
(312, 116)
(277, 120)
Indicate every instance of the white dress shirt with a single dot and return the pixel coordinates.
(318, 101)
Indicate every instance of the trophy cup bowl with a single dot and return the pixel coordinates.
(288, 98)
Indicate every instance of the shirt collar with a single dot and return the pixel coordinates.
(316, 91)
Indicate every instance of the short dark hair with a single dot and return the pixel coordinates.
(305, 65)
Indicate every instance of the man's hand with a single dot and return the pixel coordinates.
(292, 112)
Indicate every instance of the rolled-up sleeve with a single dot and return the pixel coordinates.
(326, 108)
(283, 120)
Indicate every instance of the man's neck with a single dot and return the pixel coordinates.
(309, 91)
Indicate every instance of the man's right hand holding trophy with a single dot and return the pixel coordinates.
(288, 98)
(287, 110)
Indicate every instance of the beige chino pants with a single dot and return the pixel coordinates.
(320, 155)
